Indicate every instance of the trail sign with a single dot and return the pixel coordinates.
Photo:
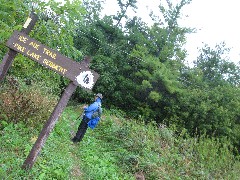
(78, 73)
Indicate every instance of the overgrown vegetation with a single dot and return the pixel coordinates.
(23, 103)
(118, 148)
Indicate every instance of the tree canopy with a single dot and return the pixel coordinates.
(142, 68)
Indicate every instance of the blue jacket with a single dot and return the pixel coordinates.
(88, 111)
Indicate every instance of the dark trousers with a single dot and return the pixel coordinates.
(82, 128)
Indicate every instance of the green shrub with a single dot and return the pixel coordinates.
(29, 104)
(157, 152)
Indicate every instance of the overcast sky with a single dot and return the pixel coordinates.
(215, 20)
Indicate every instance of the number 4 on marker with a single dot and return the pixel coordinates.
(86, 79)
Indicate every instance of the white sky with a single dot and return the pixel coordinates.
(216, 21)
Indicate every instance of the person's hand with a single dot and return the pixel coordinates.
(85, 106)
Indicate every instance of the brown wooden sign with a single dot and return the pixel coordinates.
(76, 72)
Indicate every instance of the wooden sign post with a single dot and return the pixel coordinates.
(78, 73)
(8, 58)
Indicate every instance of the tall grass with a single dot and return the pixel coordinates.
(154, 152)
(118, 148)
(23, 103)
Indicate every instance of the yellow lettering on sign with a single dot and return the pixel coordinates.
(35, 45)
(19, 48)
(22, 39)
(49, 53)
(54, 66)
(33, 55)
(45, 61)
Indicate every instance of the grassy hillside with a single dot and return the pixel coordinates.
(117, 149)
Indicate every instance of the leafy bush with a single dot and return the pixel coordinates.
(29, 104)
(117, 149)
(157, 152)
